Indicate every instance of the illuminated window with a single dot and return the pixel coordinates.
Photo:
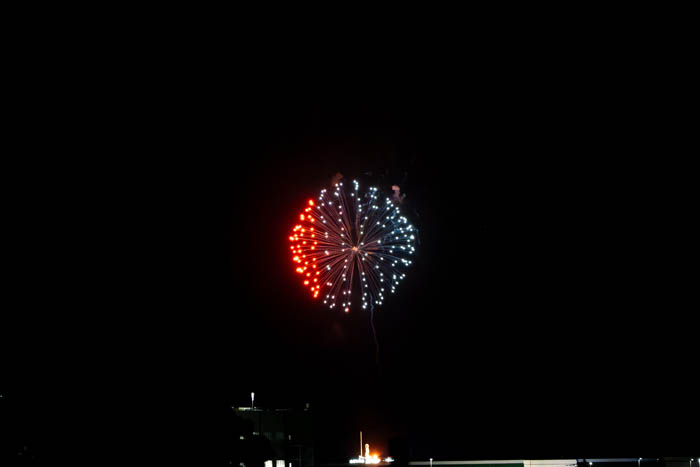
(268, 463)
(280, 463)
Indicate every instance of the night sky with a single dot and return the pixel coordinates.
(545, 313)
(538, 318)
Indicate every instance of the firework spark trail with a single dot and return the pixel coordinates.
(343, 238)
(374, 333)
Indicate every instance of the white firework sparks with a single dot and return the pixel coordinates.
(347, 236)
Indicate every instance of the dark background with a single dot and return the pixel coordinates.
(546, 313)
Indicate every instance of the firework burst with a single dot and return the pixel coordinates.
(346, 236)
